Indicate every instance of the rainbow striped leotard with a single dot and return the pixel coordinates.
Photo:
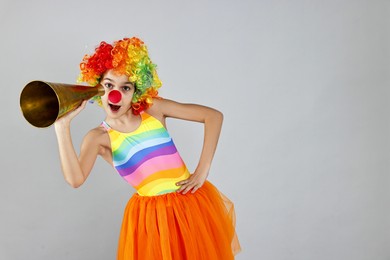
(147, 157)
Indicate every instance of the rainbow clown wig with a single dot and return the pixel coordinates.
(129, 57)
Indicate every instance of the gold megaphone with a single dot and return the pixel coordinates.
(42, 103)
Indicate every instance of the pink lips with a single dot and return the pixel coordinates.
(114, 96)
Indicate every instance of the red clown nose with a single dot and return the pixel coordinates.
(114, 96)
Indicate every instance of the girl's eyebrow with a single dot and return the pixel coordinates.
(108, 79)
(127, 82)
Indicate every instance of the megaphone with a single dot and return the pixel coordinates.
(42, 103)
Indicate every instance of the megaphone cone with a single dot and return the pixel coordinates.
(42, 103)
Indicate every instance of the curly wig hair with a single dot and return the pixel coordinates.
(128, 56)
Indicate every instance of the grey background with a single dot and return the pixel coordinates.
(304, 152)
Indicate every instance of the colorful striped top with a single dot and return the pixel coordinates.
(147, 157)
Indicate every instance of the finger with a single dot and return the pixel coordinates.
(82, 105)
(183, 186)
(189, 187)
(78, 109)
(195, 188)
(183, 182)
(180, 183)
(180, 189)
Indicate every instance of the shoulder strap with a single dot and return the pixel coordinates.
(105, 125)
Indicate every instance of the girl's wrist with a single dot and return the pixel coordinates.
(201, 172)
(61, 127)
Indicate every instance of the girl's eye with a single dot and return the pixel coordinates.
(108, 85)
(126, 88)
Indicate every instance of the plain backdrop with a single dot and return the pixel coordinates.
(304, 152)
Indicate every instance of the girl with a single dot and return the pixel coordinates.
(174, 214)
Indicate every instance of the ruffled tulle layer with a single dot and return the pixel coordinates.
(179, 227)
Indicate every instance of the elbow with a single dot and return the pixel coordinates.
(218, 116)
(75, 186)
(74, 183)
(214, 117)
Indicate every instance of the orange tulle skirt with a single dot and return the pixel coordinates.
(181, 227)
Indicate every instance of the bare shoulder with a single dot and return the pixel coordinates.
(155, 109)
(96, 132)
(98, 136)
(163, 108)
(98, 140)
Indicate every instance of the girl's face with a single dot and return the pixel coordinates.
(119, 93)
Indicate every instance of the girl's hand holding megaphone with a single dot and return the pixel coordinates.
(64, 121)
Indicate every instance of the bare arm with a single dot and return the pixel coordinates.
(75, 169)
(212, 120)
